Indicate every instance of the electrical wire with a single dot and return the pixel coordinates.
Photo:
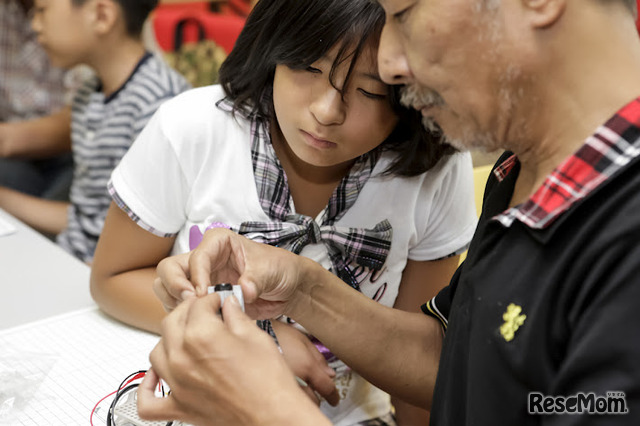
(125, 387)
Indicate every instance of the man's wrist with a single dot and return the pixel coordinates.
(311, 278)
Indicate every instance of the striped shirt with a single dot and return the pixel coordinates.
(102, 130)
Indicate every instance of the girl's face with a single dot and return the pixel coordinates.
(322, 127)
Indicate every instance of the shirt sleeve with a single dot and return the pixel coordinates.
(440, 305)
(149, 184)
(446, 218)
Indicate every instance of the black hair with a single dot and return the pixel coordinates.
(296, 33)
(135, 13)
(26, 5)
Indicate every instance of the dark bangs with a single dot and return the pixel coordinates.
(295, 33)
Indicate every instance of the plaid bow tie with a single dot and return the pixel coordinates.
(366, 247)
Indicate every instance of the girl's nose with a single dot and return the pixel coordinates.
(328, 107)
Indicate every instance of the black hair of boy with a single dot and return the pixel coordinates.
(135, 13)
(296, 33)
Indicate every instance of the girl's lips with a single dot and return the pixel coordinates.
(317, 142)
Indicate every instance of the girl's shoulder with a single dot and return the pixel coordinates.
(196, 114)
(193, 104)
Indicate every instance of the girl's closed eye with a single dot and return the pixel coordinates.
(371, 95)
(313, 70)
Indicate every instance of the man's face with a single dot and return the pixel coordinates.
(450, 54)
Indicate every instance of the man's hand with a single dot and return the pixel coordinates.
(222, 373)
(269, 276)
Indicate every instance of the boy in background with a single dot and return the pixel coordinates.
(107, 113)
(30, 88)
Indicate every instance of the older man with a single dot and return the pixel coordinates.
(541, 324)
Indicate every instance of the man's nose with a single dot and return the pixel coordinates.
(392, 61)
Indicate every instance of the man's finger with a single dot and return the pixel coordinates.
(203, 313)
(174, 323)
(236, 320)
(159, 363)
(151, 407)
(172, 330)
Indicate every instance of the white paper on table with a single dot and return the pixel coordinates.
(6, 228)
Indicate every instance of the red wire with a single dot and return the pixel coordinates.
(136, 377)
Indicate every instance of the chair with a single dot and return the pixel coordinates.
(480, 176)
(223, 29)
(236, 7)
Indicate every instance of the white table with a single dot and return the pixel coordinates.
(59, 354)
(37, 278)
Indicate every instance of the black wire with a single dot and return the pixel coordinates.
(126, 379)
(119, 394)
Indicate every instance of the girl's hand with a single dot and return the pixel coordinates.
(172, 285)
(307, 363)
(269, 276)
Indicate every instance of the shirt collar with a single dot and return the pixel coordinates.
(608, 150)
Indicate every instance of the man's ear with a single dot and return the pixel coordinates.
(544, 13)
(105, 15)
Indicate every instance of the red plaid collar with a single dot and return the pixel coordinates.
(609, 149)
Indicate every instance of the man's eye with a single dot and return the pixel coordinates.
(401, 16)
(314, 70)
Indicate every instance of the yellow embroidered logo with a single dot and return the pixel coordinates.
(512, 321)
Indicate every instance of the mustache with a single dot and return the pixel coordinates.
(414, 96)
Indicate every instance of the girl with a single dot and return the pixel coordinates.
(301, 146)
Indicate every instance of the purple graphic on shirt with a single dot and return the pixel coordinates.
(195, 236)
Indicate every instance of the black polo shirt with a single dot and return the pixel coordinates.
(535, 313)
